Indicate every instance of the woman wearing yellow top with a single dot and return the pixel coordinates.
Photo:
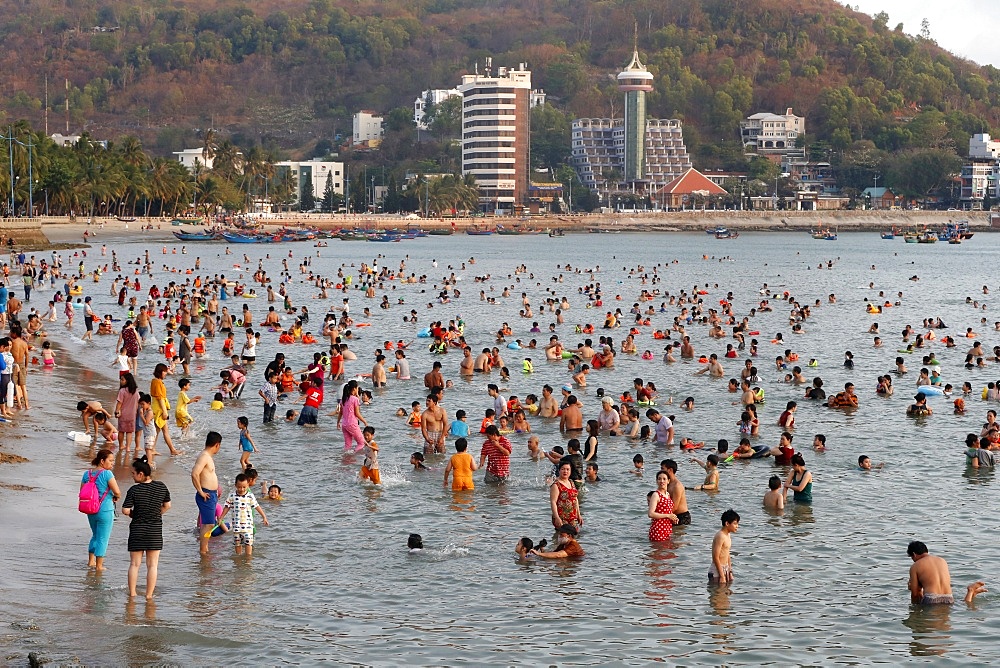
(161, 407)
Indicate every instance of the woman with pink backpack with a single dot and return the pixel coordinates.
(98, 494)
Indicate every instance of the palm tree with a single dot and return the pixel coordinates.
(210, 147)
(228, 160)
(130, 151)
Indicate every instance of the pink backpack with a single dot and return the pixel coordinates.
(90, 502)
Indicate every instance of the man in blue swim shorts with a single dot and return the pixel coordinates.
(206, 484)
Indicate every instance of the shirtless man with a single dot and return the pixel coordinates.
(206, 485)
(687, 350)
(482, 363)
(553, 351)
(713, 368)
(19, 348)
(930, 581)
(572, 417)
(547, 406)
(433, 425)
(676, 490)
(721, 570)
(434, 378)
(586, 351)
(466, 367)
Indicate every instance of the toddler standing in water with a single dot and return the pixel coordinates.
(246, 443)
(369, 468)
(184, 419)
(242, 502)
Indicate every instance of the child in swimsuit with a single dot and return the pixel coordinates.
(246, 442)
(369, 469)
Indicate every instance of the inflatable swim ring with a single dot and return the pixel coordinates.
(930, 390)
(425, 333)
(566, 354)
(514, 345)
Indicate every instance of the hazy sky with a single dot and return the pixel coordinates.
(968, 28)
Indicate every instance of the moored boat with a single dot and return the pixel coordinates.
(728, 234)
(717, 230)
(197, 236)
(441, 232)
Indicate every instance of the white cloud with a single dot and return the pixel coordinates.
(968, 28)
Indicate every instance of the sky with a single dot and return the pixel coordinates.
(968, 28)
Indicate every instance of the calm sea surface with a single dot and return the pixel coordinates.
(331, 578)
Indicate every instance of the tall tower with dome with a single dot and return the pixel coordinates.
(635, 81)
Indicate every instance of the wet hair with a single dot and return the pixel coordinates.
(730, 516)
(723, 445)
(669, 464)
(644, 432)
(461, 445)
(798, 459)
(81, 406)
(861, 459)
(774, 482)
(100, 457)
(637, 459)
(527, 544)
(419, 456)
(916, 547)
(243, 421)
(415, 542)
(275, 487)
(141, 465)
(821, 438)
(713, 460)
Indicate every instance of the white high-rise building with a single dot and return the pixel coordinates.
(495, 134)
(317, 172)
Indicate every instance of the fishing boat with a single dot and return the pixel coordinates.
(124, 220)
(603, 230)
(911, 237)
(384, 237)
(888, 235)
(235, 238)
(830, 236)
(927, 237)
(477, 231)
(197, 236)
(556, 233)
(441, 232)
(718, 229)
(516, 230)
(728, 234)
(351, 235)
(955, 240)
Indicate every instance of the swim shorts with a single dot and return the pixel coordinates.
(206, 508)
(683, 518)
(371, 474)
(937, 599)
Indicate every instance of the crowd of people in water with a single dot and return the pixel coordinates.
(167, 322)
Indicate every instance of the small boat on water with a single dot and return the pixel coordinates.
(236, 238)
(603, 230)
(441, 232)
(351, 235)
(911, 237)
(556, 233)
(718, 229)
(955, 240)
(728, 234)
(888, 235)
(197, 236)
(927, 237)
(479, 231)
(384, 237)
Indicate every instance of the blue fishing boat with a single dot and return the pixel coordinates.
(717, 230)
(235, 238)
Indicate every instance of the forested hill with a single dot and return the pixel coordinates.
(288, 73)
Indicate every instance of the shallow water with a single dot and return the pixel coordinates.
(331, 578)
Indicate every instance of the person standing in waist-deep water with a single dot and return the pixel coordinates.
(661, 510)
(103, 520)
(145, 502)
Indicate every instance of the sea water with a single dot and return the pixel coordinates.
(331, 578)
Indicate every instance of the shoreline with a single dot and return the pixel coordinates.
(53, 233)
